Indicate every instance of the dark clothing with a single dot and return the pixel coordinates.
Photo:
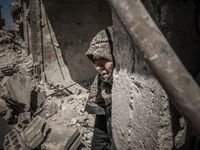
(101, 140)
(102, 131)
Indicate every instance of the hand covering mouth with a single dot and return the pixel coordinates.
(104, 74)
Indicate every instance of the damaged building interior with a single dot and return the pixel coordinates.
(45, 75)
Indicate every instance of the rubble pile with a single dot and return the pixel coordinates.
(36, 114)
(11, 54)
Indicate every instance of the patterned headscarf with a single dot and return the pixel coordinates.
(100, 92)
(100, 45)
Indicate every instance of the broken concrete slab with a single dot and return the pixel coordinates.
(35, 132)
(41, 98)
(5, 129)
(24, 72)
(13, 141)
(76, 143)
(5, 112)
(5, 82)
(48, 109)
(9, 70)
(3, 107)
(23, 120)
(62, 138)
(37, 99)
(18, 89)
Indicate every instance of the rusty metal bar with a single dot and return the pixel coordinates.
(170, 72)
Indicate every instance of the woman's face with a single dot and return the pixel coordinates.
(103, 66)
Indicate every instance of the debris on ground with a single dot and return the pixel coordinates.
(37, 114)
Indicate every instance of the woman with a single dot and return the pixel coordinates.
(99, 100)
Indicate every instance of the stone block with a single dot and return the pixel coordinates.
(23, 120)
(62, 138)
(76, 143)
(3, 107)
(8, 70)
(48, 109)
(4, 111)
(5, 82)
(18, 89)
(14, 141)
(24, 72)
(40, 99)
(35, 132)
(37, 99)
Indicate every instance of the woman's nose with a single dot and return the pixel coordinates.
(99, 66)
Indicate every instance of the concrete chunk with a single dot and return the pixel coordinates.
(18, 89)
(3, 107)
(35, 132)
(76, 143)
(14, 141)
(5, 112)
(61, 138)
(5, 87)
(37, 99)
(23, 120)
(47, 110)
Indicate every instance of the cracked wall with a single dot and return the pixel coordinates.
(142, 116)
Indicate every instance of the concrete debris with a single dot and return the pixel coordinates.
(13, 140)
(5, 40)
(2, 50)
(23, 121)
(42, 114)
(35, 132)
(62, 138)
(11, 51)
(29, 138)
(76, 143)
(48, 109)
(19, 91)
(9, 70)
(4, 85)
(5, 112)
(37, 99)
(1, 55)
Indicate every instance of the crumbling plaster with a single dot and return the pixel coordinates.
(137, 96)
(142, 116)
